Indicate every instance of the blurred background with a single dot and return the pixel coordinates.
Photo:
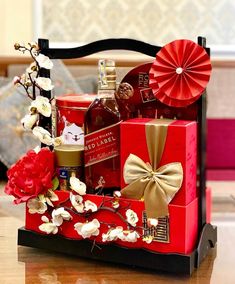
(154, 21)
(77, 22)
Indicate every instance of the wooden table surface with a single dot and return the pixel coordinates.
(28, 265)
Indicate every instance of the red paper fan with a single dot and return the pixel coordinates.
(180, 73)
(167, 100)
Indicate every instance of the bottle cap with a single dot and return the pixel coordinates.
(69, 155)
(107, 74)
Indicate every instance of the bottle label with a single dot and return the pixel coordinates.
(102, 144)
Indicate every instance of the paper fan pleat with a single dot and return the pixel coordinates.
(180, 73)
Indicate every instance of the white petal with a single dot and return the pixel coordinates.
(36, 206)
(117, 194)
(45, 219)
(88, 229)
(55, 231)
(52, 196)
(132, 217)
(78, 227)
(96, 223)
(57, 220)
(77, 185)
(66, 215)
(76, 201)
(115, 232)
(42, 104)
(43, 135)
(48, 228)
(44, 83)
(44, 61)
(57, 212)
(89, 205)
(29, 121)
(48, 201)
(105, 237)
(96, 233)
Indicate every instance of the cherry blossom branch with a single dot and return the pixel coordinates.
(26, 89)
(87, 214)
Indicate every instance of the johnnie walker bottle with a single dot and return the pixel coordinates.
(102, 163)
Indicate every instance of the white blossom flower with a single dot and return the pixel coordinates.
(43, 135)
(32, 68)
(128, 236)
(132, 217)
(76, 201)
(29, 121)
(152, 222)
(50, 197)
(35, 205)
(25, 80)
(90, 206)
(148, 239)
(117, 194)
(42, 104)
(77, 185)
(59, 215)
(48, 227)
(88, 229)
(44, 61)
(44, 83)
(112, 234)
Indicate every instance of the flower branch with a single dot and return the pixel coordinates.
(33, 85)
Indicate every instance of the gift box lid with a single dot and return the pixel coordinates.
(147, 120)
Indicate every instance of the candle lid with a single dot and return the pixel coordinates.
(69, 155)
(74, 100)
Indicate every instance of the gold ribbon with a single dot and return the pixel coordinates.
(156, 185)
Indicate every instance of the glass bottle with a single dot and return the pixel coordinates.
(102, 163)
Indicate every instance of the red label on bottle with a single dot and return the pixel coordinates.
(102, 145)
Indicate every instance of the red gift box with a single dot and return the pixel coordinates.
(176, 234)
(180, 146)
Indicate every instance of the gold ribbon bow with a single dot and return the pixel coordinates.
(156, 185)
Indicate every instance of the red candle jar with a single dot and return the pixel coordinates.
(70, 111)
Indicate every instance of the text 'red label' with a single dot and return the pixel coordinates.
(102, 144)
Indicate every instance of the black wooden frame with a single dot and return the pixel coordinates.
(207, 236)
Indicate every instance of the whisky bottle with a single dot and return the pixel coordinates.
(102, 163)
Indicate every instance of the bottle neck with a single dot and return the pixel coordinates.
(106, 94)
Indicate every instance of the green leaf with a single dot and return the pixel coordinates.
(55, 183)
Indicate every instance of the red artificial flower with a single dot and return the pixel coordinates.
(31, 175)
